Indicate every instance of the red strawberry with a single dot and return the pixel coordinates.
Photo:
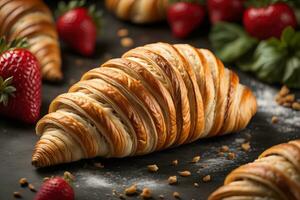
(56, 188)
(269, 21)
(77, 26)
(225, 10)
(185, 17)
(20, 82)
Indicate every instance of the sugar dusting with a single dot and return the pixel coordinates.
(267, 106)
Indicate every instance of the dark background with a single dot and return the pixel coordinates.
(17, 140)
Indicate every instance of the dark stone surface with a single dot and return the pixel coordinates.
(17, 140)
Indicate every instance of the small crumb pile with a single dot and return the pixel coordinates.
(286, 99)
(152, 168)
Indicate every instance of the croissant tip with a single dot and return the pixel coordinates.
(36, 161)
(53, 77)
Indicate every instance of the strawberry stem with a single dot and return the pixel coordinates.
(68, 177)
(6, 90)
(17, 43)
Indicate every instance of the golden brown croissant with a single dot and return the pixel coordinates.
(275, 175)
(138, 11)
(154, 97)
(33, 20)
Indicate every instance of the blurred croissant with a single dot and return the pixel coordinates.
(33, 20)
(275, 175)
(154, 97)
(138, 11)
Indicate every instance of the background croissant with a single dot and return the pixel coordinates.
(33, 20)
(138, 11)
(274, 175)
(154, 97)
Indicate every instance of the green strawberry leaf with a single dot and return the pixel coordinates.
(276, 61)
(230, 41)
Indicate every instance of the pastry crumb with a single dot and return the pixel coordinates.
(17, 195)
(131, 190)
(224, 148)
(196, 159)
(206, 178)
(184, 173)
(152, 168)
(246, 146)
(23, 182)
(127, 42)
(284, 91)
(31, 187)
(231, 156)
(161, 196)
(172, 180)
(123, 32)
(175, 162)
(296, 106)
(196, 184)
(274, 120)
(146, 193)
(176, 195)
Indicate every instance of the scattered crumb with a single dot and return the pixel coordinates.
(131, 190)
(172, 180)
(176, 195)
(161, 196)
(127, 42)
(152, 168)
(17, 195)
(246, 146)
(31, 187)
(206, 178)
(146, 193)
(231, 156)
(286, 99)
(123, 32)
(98, 165)
(284, 91)
(296, 106)
(184, 173)
(224, 148)
(175, 162)
(196, 159)
(196, 185)
(114, 192)
(274, 120)
(23, 182)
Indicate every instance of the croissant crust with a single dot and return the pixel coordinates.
(274, 175)
(33, 20)
(154, 97)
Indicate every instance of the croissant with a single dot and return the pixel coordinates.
(154, 97)
(33, 20)
(274, 175)
(138, 11)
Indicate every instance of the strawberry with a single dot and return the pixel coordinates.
(185, 17)
(77, 26)
(20, 82)
(269, 21)
(56, 188)
(225, 10)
